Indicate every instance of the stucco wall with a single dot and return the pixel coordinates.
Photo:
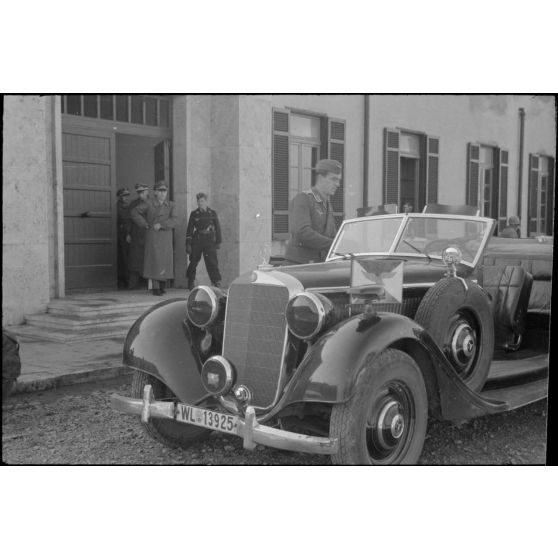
(26, 206)
(457, 120)
(229, 157)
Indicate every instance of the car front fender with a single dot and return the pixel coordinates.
(329, 369)
(160, 344)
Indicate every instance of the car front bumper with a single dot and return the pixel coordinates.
(248, 427)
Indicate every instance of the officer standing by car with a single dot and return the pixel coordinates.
(137, 243)
(203, 237)
(158, 219)
(123, 225)
(312, 224)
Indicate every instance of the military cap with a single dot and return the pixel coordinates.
(201, 196)
(140, 187)
(513, 220)
(122, 192)
(160, 185)
(328, 165)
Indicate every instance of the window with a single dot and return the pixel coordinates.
(541, 195)
(487, 181)
(410, 169)
(299, 141)
(144, 110)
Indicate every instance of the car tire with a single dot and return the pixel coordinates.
(169, 432)
(460, 321)
(384, 422)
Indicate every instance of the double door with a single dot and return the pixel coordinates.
(90, 234)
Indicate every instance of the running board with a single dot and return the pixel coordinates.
(519, 396)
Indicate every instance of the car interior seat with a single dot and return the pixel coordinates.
(509, 289)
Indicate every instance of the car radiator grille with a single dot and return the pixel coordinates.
(255, 335)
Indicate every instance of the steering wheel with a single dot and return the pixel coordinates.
(440, 244)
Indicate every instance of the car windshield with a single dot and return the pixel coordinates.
(413, 234)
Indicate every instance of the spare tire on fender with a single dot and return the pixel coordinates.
(456, 313)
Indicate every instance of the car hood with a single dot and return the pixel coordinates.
(337, 273)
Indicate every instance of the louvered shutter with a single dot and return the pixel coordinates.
(391, 166)
(473, 168)
(501, 188)
(532, 224)
(280, 178)
(336, 148)
(432, 168)
(550, 198)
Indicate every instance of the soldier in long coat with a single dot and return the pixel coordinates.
(158, 219)
(137, 244)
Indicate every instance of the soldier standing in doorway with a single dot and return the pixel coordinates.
(311, 219)
(137, 244)
(123, 225)
(203, 236)
(158, 220)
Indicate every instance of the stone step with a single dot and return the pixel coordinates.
(66, 336)
(76, 324)
(83, 311)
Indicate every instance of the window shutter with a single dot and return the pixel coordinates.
(502, 169)
(432, 167)
(391, 166)
(336, 149)
(533, 191)
(550, 198)
(280, 177)
(473, 167)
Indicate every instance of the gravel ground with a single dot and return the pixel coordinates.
(75, 425)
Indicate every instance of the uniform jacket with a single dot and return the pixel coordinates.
(312, 228)
(158, 260)
(137, 244)
(123, 221)
(203, 226)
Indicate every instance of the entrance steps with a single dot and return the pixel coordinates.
(90, 316)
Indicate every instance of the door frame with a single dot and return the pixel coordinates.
(66, 123)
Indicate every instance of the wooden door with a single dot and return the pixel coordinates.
(89, 209)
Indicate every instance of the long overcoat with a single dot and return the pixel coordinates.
(158, 260)
(137, 244)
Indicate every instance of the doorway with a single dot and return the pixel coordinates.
(104, 150)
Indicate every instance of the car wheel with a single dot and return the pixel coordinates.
(169, 432)
(384, 423)
(460, 322)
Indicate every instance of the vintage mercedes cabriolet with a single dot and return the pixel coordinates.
(410, 316)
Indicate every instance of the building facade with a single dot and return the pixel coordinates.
(64, 157)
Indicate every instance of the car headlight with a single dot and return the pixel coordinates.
(202, 306)
(307, 313)
(217, 375)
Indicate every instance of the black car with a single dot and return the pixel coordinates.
(410, 316)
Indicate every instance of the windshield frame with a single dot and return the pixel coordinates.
(405, 217)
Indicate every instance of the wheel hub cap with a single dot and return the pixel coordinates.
(390, 425)
(463, 344)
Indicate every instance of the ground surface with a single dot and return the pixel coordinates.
(75, 425)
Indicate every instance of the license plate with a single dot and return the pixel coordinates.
(206, 418)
